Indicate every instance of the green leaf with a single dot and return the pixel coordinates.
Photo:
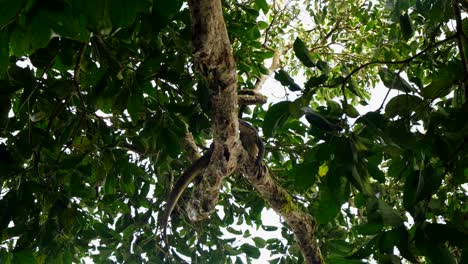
(388, 258)
(393, 81)
(398, 134)
(110, 184)
(123, 12)
(342, 260)
(6, 257)
(358, 178)
(328, 206)
(39, 31)
(286, 80)
(334, 109)
(406, 26)
(5, 107)
(24, 256)
(149, 67)
(374, 120)
(70, 25)
(263, 4)
(302, 53)
(445, 232)
(323, 66)
(253, 33)
(259, 242)
(316, 81)
(351, 111)
(233, 231)
(275, 118)
(360, 200)
(269, 228)
(436, 89)
(172, 142)
(369, 228)
(67, 257)
(262, 25)
(10, 9)
(263, 55)
(304, 175)
(317, 120)
(334, 192)
(61, 88)
(367, 249)
(403, 105)
(465, 25)
(36, 117)
(340, 247)
(127, 184)
(136, 105)
(389, 240)
(435, 251)
(440, 10)
(96, 14)
(4, 52)
(431, 181)
(352, 86)
(461, 172)
(36, 34)
(19, 42)
(43, 57)
(403, 244)
(443, 80)
(389, 215)
(376, 173)
(413, 186)
(250, 251)
(166, 9)
(421, 185)
(251, 12)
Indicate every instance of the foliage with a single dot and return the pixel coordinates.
(91, 131)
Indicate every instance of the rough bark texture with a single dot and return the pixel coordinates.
(301, 223)
(190, 147)
(214, 60)
(252, 99)
(275, 64)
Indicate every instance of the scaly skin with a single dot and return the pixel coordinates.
(182, 182)
(250, 141)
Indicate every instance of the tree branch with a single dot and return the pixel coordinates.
(191, 147)
(408, 60)
(301, 223)
(214, 60)
(252, 99)
(275, 64)
(76, 75)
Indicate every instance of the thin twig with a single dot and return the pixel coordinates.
(408, 60)
(275, 63)
(275, 15)
(23, 5)
(76, 74)
(332, 30)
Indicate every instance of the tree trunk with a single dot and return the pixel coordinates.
(215, 62)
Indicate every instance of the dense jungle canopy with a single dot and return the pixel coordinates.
(105, 105)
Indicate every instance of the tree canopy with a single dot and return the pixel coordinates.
(104, 104)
